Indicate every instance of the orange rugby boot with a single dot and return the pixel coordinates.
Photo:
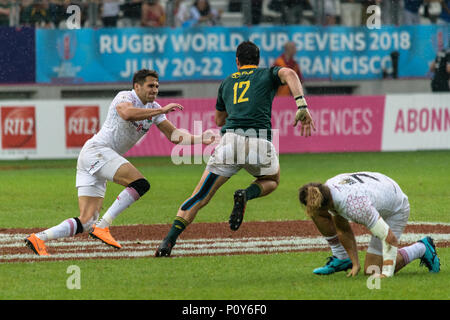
(105, 236)
(37, 245)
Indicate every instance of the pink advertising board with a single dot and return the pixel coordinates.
(343, 124)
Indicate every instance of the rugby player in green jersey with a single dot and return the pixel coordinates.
(243, 110)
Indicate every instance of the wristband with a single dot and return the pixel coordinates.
(301, 102)
(380, 229)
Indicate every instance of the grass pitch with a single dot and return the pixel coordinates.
(42, 194)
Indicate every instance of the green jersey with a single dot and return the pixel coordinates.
(247, 97)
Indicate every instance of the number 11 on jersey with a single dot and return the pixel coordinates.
(246, 85)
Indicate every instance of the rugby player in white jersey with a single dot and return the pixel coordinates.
(375, 201)
(130, 116)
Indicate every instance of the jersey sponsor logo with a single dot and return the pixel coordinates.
(241, 73)
(347, 181)
(82, 122)
(140, 127)
(18, 127)
(357, 178)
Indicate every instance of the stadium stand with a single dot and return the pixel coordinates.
(233, 13)
(394, 11)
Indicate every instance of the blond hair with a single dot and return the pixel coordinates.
(314, 196)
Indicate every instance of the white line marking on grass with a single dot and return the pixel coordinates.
(135, 249)
(7, 237)
(418, 223)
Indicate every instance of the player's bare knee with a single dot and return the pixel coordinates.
(274, 178)
(141, 186)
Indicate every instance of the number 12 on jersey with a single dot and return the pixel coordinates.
(239, 85)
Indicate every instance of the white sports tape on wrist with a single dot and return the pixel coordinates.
(380, 229)
(301, 102)
(389, 256)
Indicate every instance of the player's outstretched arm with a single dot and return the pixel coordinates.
(347, 238)
(128, 112)
(290, 77)
(182, 136)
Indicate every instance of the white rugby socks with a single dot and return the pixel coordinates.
(67, 228)
(337, 248)
(127, 197)
(412, 252)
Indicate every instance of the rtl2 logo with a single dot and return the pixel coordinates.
(82, 122)
(18, 127)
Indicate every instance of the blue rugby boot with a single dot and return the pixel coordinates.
(430, 258)
(334, 265)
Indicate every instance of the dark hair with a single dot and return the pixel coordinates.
(247, 53)
(205, 11)
(141, 75)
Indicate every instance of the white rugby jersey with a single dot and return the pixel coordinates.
(363, 196)
(119, 134)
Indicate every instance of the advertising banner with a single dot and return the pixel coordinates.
(417, 122)
(19, 127)
(52, 129)
(343, 124)
(82, 122)
(48, 129)
(208, 53)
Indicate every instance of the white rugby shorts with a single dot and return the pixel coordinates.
(256, 155)
(95, 166)
(397, 222)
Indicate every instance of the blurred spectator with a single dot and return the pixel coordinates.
(153, 14)
(35, 14)
(441, 68)
(201, 13)
(131, 13)
(181, 12)
(287, 59)
(256, 11)
(444, 18)
(110, 12)
(411, 11)
(330, 11)
(390, 10)
(235, 5)
(4, 13)
(292, 10)
(57, 12)
(430, 11)
(90, 11)
(275, 5)
(351, 13)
